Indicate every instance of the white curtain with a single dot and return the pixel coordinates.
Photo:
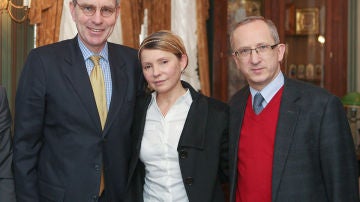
(184, 24)
(68, 29)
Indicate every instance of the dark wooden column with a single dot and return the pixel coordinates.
(335, 71)
(219, 51)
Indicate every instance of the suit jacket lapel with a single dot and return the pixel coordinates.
(119, 85)
(237, 112)
(195, 123)
(76, 72)
(288, 116)
(142, 104)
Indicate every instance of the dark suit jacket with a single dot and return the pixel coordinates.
(314, 158)
(202, 148)
(59, 146)
(7, 189)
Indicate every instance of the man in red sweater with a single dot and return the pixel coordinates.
(291, 140)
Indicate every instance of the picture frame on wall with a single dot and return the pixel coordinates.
(310, 72)
(237, 10)
(290, 19)
(291, 73)
(300, 73)
(307, 21)
(318, 72)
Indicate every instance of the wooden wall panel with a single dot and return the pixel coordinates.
(335, 70)
(335, 73)
(219, 51)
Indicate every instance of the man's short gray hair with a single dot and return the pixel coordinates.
(270, 24)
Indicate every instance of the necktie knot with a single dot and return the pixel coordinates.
(257, 105)
(95, 59)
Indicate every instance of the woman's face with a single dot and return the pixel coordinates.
(162, 70)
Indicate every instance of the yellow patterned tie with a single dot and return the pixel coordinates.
(98, 86)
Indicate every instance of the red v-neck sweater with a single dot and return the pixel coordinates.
(256, 151)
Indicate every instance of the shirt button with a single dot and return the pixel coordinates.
(183, 154)
(189, 180)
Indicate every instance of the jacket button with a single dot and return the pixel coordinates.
(95, 198)
(183, 154)
(189, 180)
(97, 167)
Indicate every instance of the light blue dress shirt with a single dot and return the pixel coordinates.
(270, 90)
(105, 66)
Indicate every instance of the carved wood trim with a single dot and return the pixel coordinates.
(202, 7)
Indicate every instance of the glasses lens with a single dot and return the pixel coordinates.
(87, 10)
(106, 11)
(245, 52)
(262, 49)
(91, 10)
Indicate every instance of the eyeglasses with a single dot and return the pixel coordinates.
(90, 10)
(260, 50)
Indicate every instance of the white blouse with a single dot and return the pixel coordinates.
(163, 180)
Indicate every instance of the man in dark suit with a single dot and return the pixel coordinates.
(72, 135)
(289, 141)
(7, 189)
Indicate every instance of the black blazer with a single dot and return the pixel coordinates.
(314, 158)
(59, 146)
(7, 188)
(202, 148)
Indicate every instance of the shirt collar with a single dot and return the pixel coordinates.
(186, 98)
(271, 89)
(87, 53)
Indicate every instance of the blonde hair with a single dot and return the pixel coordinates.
(164, 40)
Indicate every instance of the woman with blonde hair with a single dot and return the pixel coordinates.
(180, 136)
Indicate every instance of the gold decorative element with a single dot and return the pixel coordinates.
(300, 73)
(9, 6)
(307, 21)
(310, 72)
(290, 19)
(3, 5)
